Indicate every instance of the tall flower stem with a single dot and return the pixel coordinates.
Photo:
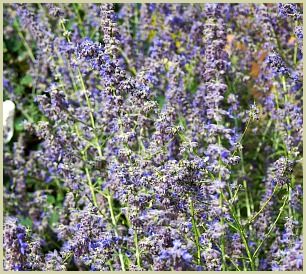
(281, 210)
(115, 226)
(92, 120)
(242, 234)
(263, 207)
(24, 41)
(221, 218)
(109, 196)
(137, 250)
(195, 231)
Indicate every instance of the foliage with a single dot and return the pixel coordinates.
(153, 137)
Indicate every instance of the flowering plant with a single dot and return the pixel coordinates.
(153, 137)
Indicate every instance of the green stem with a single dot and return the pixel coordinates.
(248, 252)
(272, 227)
(222, 237)
(263, 207)
(221, 206)
(76, 9)
(131, 69)
(295, 48)
(243, 236)
(234, 264)
(288, 152)
(242, 136)
(137, 249)
(25, 43)
(263, 138)
(138, 261)
(87, 100)
(114, 222)
(245, 186)
(92, 191)
(195, 231)
(275, 138)
(91, 188)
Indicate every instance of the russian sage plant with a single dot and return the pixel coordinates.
(153, 137)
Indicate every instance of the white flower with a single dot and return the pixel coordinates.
(8, 120)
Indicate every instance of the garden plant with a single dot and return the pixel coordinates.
(152, 137)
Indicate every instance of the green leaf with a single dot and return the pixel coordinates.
(182, 121)
(59, 197)
(54, 218)
(19, 90)
(16, 24)
(51, 199)
(26, 221)
(23, 55)
(26, 80)
(18, 124)
(193, 86)
(234, 60)
(161, 101)
(16, 46)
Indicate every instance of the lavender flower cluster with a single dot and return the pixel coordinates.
(153, 137)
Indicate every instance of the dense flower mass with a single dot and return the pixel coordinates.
(153, 137)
